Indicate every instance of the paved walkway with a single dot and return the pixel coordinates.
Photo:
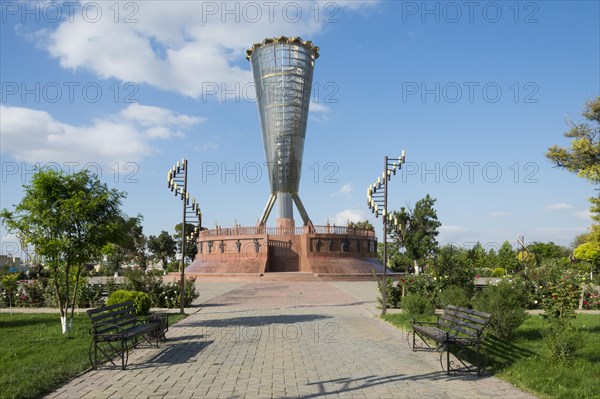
(280, 340)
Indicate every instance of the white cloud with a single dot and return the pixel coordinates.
(561, 206)
(318, 107)
(182, 46)
(447, 228)
(557, 234)
(207, 147)
(584, 215)
(498, 214)
(345, 190)
(453, 234)
(353, 215)
(35, 136)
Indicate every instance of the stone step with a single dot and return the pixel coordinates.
(289, 276)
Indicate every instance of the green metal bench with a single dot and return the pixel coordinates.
(116, 329)
(455, 330)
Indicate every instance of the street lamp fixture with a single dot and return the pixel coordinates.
(377, 203)
(177, 183)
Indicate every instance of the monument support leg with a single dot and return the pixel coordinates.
(302, 211)
(267, 211)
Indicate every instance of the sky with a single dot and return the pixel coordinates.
(474, 92)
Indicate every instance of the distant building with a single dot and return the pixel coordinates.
(12, 263)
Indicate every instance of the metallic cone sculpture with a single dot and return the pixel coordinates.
(283, 70)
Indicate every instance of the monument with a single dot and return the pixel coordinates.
(283, 70)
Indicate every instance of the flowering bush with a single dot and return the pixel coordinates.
(591, 300)
(31, 293)
(562, 297)
(169, 297)
(560, 302)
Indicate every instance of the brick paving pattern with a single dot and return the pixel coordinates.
(283, 340)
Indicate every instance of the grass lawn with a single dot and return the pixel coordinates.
(523, 359)
(35, 358)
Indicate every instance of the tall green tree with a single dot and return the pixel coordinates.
(163, 247)
(507, 257)
(129, 245)
(68, 219)
(544, 251)
(453, 267)
(416, 231)
(477, 256)
(583, 158)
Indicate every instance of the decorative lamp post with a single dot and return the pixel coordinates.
(377, 202)
(177, 183)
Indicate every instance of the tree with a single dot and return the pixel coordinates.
(190, 245)
(583, 158)
(545, 251)
(507, 257)
(129, 245)
(416, 230)
(365, 224)
(477, 256)
(163, 247)
(68, 219)
(588, 252)
(453, 267)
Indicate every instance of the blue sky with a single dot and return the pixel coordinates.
(475, 92)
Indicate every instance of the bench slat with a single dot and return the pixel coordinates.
(99, 317)
(475, 319)
(470, 311)
(110, 307)
(455, 320)
(116, 318)
(458, 329)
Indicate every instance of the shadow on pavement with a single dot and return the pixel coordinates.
(254, 321)
(347, 385)
(175, 354)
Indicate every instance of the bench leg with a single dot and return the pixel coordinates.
(124, 353)
(447, 359)
(93, 354)
(447, 343)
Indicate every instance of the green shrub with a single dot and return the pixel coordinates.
(562, 341)
(49, 291)
(9, 285)
(499, 272)
(169, 297)
(90, 296)
(416, 305)
(393, 293)
(454, 295)
(31, 293)
(140, 300)
(507, 303)
(150, 283)
(559, 305)
(111, 285)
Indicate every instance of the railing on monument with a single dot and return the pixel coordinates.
(275, 231)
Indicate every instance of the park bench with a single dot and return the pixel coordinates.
(116, 329)
(455, 330)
